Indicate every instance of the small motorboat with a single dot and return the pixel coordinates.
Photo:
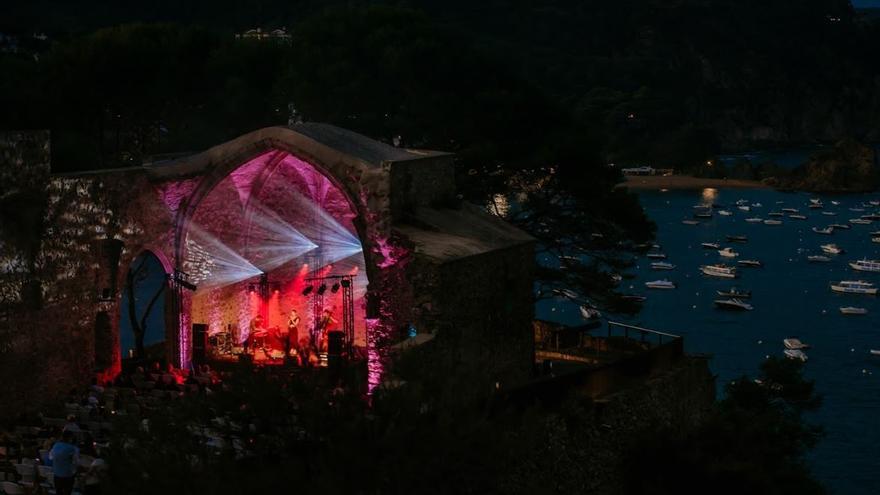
(690, 222)
(776, 214)
(734, 304)
(816, 206)
(831, 249)
(795, 354)
(754, 220)
(856, 209)
(737, 238)
(875, 352)
(741, 202)
(836, 203)
(875, 239)
(662, 265)
(721, 271)
(660, 284)
(854, 287)
(871, 216)
(794, 343)
(860, 221)
(772, 222)
(852, 310)
(656, 256)
(756, 205)
(710, 245)
(725, 213)
(703, 214)
(735, 293)
(825, 231)
(744, 208)
(829, 213)
(634, 297)
(750, 263)
(798, 217)
(789, 210)
(818, 259)
(728, 253)
(841, 226)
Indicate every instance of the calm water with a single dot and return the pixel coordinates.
(791, 297)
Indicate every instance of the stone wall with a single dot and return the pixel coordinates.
(579, 448)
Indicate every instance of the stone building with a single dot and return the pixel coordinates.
(291, 208)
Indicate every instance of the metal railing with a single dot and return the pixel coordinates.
(644, 333)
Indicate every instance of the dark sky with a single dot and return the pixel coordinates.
(866, 3)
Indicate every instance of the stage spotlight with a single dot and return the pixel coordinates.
(307, 290)
(322, 289)
(346, 283)
(335, 288)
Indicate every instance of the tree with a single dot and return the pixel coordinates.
(135, 279)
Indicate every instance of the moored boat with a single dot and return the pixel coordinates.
(735, 304)
(795, 354)
(737, 238)
(662, 265)
(754, 220)
(711, 245)
(859, 221)
(818, 259)
(722, 271)
(660, 284)
(775, 214)
(854, 287)
(852, 310)
(794, 343)
(790, 210)
(656, 256)
(831, 249)
(865, 265)
(772, 222)
(690, 222)
(751, 263)
(829, 213)
(825, 231)
(798, 217)
(842, 226)
(724, 213)
(733, 292)
(728, 253)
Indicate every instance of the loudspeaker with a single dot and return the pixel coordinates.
(199, 343)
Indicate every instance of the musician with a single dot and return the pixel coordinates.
(292, 332)
(255, 328)
(324, 325)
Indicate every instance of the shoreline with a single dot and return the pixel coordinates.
(687, 182)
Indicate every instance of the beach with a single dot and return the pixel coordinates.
(687, 182)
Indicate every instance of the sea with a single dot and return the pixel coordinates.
(791, 297)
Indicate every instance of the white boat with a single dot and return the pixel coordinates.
(795, 354)
(829, 213)
(865, 265)
(744, 208)
(660, 284)
(836, 203)
(733, 304)
(734, 293)
(841, 226)
(690, 222)
(816, 206)
(772, 222)
(711, 245)
(754, 220)
(825, 231)
(656, 256)
(831, 249)
(790, 210)
(815, 201)
(756, 205)
(798, 217)
(875, 239)
(854, 287)
(721, 271)
(728, 253)
(662, 265)
(875, 233)
(875, 352)
(752, 263)
(856, 209)
(852, 310)
(775, 214)
(874, 202)
(591, 315)
(725, 213)
(860, 221)
(794, 343)
(818, 259)
(871, 216)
